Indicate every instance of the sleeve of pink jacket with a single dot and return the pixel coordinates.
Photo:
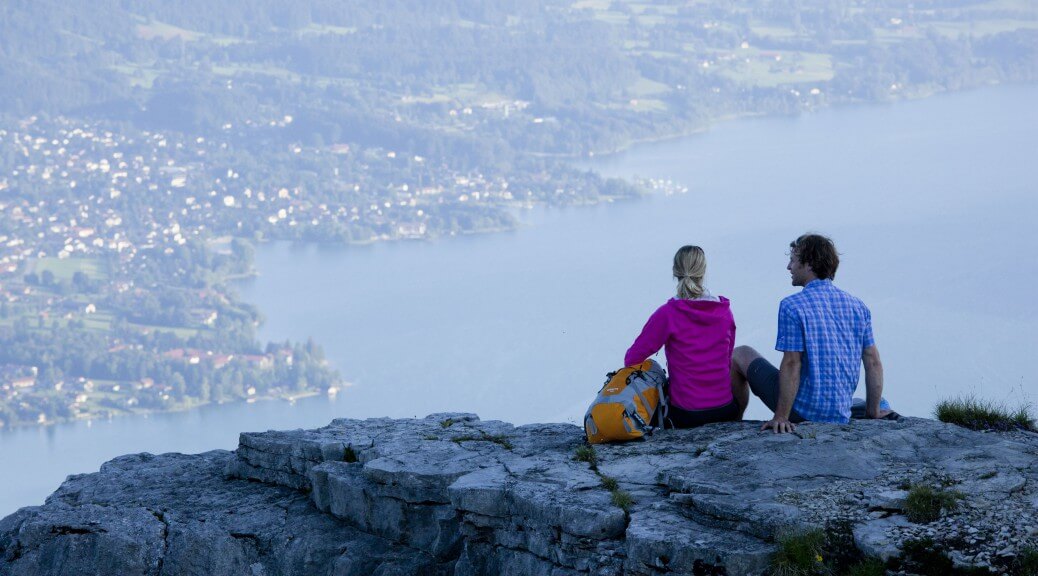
(653, 337)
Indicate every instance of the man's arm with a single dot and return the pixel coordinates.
(873, 382)
(789, 383)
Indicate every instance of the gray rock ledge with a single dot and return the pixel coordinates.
(450, 494)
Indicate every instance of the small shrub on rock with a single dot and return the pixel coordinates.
(800, 554)
(924, 503)
(586, 453)
(868, 567)
(926, 557)
(349, 455)
(975, 414)
(622, 500)
(1026, 562)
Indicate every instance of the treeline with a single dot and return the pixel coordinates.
(147, 377)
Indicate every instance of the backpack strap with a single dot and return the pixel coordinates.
(636, 416)
(664, 408)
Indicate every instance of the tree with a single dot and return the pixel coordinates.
(81, 282)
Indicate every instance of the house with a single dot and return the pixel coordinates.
(411, 230)
(24, 382)
(261, 362)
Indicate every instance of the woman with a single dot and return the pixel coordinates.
(697, 332)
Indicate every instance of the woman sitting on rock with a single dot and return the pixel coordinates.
(697, 331)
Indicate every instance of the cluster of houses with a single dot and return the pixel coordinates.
(260, 361)
(19, 384)
(131, 193)
(75, 189)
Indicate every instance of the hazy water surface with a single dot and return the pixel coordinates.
(932, 204)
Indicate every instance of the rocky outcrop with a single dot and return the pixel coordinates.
(450, 494)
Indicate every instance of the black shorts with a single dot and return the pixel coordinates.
(764, 382)
(680, 418)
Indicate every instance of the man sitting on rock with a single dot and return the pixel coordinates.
(824, 335)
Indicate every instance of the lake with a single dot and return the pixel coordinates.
(932, 205)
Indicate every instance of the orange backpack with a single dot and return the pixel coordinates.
(626, 404)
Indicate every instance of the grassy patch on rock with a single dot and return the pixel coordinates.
(349, 454)
(620, 497)
(976, 414)
(924, 503)
(499, 439)
(868, 567)
(622, 500)
(1025, 563)
(800, 554)
(586, 453)
(929, 558)
(822, 552)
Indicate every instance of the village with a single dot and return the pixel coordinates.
(117, 246)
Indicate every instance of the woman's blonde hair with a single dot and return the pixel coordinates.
(689, 269)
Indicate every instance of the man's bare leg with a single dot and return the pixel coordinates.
(742, 357)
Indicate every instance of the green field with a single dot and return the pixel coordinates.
(773, 31)
(982, 28)
(611, 17)
(644, 87)
(766, 71)
(466, 94)
(64, 268)
(649, 105)
(99, 322)
(165, 31)
(234, 70)
(1024, 7)
(181, 332)
(137, 75)
(601, 5)
(320, 29)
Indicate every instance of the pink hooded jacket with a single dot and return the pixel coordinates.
(698, 337)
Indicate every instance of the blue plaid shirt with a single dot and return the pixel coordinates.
(831, 328)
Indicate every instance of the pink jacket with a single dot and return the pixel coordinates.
(698, 337)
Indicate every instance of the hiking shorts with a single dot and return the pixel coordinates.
(763, 378)
(678, 417)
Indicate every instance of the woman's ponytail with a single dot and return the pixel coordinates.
(689, 269)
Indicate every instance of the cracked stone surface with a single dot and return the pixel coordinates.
(450, 494)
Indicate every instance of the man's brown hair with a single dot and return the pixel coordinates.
(818, 252)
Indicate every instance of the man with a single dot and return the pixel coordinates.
(824, 334)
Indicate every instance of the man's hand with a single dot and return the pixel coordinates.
(779, 425)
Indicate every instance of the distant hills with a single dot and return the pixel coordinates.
(532, 76)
